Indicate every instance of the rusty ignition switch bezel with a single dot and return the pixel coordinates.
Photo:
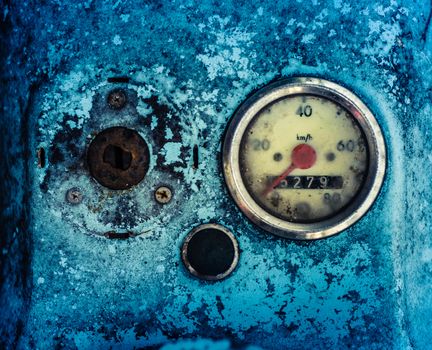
(130, 142)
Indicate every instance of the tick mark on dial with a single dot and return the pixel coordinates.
(277, 157)
(330, 156)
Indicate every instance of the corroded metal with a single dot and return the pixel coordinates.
(117, 99)
(163, 195)
(118, 158)
(74, 195)
(191, 64)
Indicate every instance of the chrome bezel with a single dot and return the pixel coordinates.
(190, 268)
(360, 203)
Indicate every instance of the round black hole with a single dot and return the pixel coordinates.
(210, 252)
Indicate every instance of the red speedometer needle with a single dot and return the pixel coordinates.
(303, 156)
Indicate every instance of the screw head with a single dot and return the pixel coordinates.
(117, 99)
(163, 195)
(74, 196)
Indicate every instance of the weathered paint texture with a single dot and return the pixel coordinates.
(190, 64)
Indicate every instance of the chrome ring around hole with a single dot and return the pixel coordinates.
(210, 277)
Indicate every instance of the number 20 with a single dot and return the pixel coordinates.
(258, 145)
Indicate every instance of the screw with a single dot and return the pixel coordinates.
(117, 99)
(74, 196)
(163, 195)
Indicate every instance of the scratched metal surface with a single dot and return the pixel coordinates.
(190, 65)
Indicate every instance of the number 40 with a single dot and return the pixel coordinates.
(304, 111)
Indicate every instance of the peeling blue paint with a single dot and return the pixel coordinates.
(190, 64)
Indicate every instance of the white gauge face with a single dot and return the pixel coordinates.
(304, 158)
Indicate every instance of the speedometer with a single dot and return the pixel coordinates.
(304, 158)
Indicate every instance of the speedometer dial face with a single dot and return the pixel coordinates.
(304, 158)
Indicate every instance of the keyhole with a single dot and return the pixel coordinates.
(117, 157)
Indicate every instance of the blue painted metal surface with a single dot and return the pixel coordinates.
(190, 65)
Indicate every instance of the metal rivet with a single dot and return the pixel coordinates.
(74, 196)
(163, 195)
(117, 99)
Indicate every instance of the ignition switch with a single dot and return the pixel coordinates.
(118, 158)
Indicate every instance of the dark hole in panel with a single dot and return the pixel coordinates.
(195, 157)
(117, 157)
(41, 157)
(118, 235)
(210, 253)
(118, 80)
